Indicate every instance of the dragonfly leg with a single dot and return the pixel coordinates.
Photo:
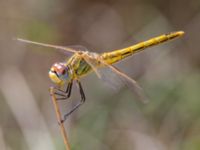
(63, 95)
(77, 105)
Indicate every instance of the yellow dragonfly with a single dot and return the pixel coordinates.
(83, 62)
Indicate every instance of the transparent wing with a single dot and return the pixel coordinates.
(93, 66)
(62, 48)
(117, 77)
(111, 79)
(77, 47)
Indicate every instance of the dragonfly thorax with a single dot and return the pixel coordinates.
(59, 73)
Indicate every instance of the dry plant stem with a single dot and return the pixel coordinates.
(59, 118)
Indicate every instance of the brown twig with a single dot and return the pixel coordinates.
(59, 118)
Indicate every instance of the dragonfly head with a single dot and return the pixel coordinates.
(59, 73)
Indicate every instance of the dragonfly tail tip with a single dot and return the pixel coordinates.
(180, 33)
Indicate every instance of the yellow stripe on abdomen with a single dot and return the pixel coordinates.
(117, 55)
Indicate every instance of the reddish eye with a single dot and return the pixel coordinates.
(63, 72)
(60, 70)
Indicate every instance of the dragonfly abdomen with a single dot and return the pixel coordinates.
(117, 55)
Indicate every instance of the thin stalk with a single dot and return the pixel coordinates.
(59, 118)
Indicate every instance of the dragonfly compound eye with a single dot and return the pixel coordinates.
(63, 72)
(58, 73)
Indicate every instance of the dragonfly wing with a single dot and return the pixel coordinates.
(78, 47)
(117, 78)
(132, 85)
(62, 48)
(129, 82)
(93, 66)
(111, 79)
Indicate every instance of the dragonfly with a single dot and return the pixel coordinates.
(82, 62)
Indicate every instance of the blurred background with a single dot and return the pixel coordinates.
(111, 118)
